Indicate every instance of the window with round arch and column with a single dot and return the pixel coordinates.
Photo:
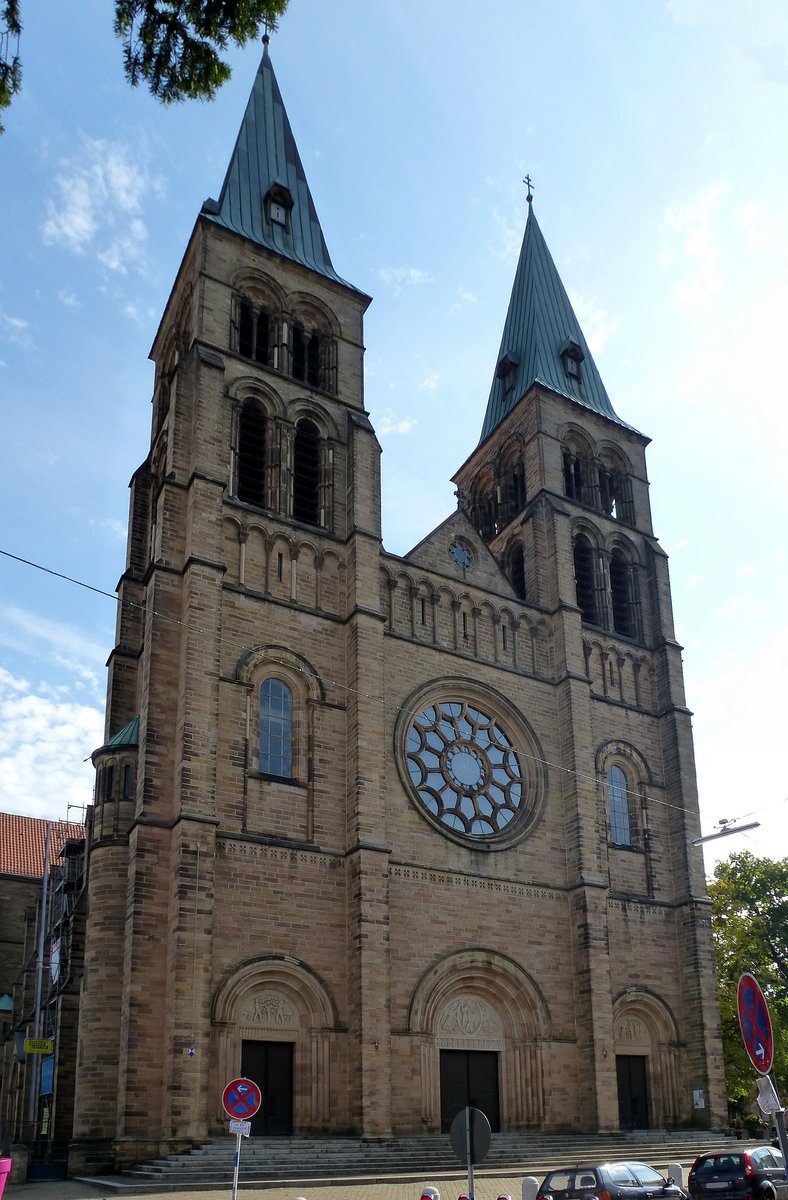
(470, 764)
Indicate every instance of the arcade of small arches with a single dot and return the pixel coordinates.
(474, 1005)
(278, 566)
(294, 335)
(418, 609)
(619, 674)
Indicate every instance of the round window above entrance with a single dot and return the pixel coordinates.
(472, 766)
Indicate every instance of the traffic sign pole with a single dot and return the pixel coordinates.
(782, 1136)
(237, 1161)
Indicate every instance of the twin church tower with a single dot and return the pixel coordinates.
(388, 834)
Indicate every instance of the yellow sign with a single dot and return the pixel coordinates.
(38, 1045)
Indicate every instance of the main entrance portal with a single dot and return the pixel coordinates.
(469, 1077)
(270, 1065)
(632, 1091)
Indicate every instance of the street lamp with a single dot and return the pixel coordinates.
(728, 827)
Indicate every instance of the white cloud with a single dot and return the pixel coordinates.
(430, 383)
(597, 325)
(97, 204)
(68, 299)
(44, 640)
(387, 423)
(399, 278)
(43, 742)
(694, 243)
(16, 331)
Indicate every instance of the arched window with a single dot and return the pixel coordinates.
(515, 568)
(306, 472)
(618, 806)
(577, 470)
(622, 600)
(483, 508)
(250, 484)
(615, 493)
(511, 485)
(276, 729)
(307, 357)
(585, 582)
(254, 333)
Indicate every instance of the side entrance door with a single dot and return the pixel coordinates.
(270, 1065)
(469, 1078)
(632, 1091)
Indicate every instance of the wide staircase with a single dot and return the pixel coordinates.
(300, 1162)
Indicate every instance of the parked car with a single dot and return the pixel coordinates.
(757, 1173)
(609, 1181)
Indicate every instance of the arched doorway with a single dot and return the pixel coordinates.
(273, 1020)
(481, 1022)
(646, 1046)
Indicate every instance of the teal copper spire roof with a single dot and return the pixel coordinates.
(542, 340)
(265, 196)
(129, 735)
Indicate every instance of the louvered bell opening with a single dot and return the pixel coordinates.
(619, 594)
(306, 473)
(251, 456)
(584, 580)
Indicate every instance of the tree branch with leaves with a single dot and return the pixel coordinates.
(749, 898)
(173, 46)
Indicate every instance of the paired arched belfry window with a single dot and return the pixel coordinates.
(600, 481)
(263, 446)
(514, 566)
(275, 755)
(304, 349)
(498, 493)
(606, 588)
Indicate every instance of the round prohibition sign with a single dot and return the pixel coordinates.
(241, 1099)
(755, 1022)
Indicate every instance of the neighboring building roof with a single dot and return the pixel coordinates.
(265, 158)
(23, 842)
(129, 735)
(540, 329)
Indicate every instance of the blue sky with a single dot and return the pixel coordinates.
(655, 134)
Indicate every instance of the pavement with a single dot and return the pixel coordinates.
(450, 1189)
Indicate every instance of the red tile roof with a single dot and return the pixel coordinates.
(22, 843)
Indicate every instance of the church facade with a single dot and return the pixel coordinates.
(387, 834)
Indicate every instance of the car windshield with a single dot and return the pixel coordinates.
(716, 1163)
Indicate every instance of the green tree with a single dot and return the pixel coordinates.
(174, 46)
(749, 898)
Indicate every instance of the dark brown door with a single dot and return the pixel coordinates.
(469, 1078)
(270, 1065)
(632, 1091)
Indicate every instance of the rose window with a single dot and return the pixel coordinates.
(464, 768)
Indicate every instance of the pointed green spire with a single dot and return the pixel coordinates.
(542, 340)
(265, 196)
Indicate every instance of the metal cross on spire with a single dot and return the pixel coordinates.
(529, 184)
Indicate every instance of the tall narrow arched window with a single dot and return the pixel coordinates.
(618, 806)
(250, 485)
(585, 582)
(621, 594)
(575, 475)
(254, 332)
(515, 568)
(306, 472)
(299, 353)
(276, 729)
(313, 365)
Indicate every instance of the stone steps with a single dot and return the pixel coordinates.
(297, 1161)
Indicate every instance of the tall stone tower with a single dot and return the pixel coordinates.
(387, 834)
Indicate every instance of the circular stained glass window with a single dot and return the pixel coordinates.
(465, 769)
